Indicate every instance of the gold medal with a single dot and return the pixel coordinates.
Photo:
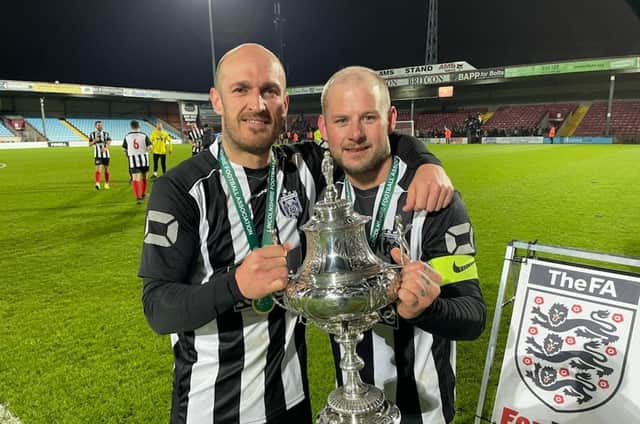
(263, 305)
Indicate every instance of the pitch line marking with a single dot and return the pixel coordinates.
(6, 417)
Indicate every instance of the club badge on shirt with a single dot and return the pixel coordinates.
(290, 205)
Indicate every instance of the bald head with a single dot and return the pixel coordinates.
(359, 75)
(248, 52)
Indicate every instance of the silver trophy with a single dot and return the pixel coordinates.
(341, 287)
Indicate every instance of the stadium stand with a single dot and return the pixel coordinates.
(528, 119)
(302, 121)
(510, 117)
(571, 123)
(4, 132)
(432, 124)
(117, 128)
(561, 111)
(625, 119)
(531, 119)
(56, 129)
(435, 122)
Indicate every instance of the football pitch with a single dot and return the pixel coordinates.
(74, 343)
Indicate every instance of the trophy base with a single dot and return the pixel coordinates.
(370, 407)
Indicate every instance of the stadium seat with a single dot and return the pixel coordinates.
(116, 127)
(625, 119)
(56, 129)
(4, 132)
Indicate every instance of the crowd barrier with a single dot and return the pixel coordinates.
(16, 144)
(580, 140)
(512, 140)
(547, 140)
(442, 140)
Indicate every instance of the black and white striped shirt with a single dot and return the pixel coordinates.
(136, 145)
(101, 138)
(195, 135)
(231, 364)
(414, 361)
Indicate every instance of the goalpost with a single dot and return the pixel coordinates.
(405, 127)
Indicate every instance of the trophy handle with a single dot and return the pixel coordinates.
(402, 239)
(281, 294)
(391, 279)
(276, 298)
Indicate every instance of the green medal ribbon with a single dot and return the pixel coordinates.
(265, 304)
(385, 201)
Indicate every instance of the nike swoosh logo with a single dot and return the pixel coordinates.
(459, 269)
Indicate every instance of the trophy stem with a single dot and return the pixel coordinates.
(356, 402)
(351, 363)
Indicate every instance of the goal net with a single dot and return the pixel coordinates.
(405, 127)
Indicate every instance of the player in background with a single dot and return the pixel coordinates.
(100, 140)
(161, 141)
(137, 145)
(195, 137)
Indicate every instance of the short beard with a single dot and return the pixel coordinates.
(254, 149)
(251, 148)
(366, 168)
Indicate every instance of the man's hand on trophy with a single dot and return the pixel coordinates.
(419, 288)
(263, 271)
(430, 190)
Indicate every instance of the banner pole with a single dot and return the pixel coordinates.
(495, 328)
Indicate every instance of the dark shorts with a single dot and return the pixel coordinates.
(139, 170)
(101, 161)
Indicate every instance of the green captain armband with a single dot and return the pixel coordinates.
(455, 268)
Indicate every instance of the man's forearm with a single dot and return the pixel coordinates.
(174, 307)
(459, 317)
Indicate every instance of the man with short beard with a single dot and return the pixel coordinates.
(408, 354)
(210, 263)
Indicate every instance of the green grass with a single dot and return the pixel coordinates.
(74, 344)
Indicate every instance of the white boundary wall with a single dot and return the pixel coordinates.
(512, 140)
(442, 140)
(40, 144)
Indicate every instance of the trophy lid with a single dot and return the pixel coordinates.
(332, 212)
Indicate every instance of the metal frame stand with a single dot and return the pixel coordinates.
(511, 257)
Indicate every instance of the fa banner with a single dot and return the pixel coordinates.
(573, 349)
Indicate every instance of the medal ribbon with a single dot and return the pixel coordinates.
(264, 305)
(385, 201)
(243, 209)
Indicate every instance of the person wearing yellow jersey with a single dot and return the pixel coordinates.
(317, 136)
(161, 141)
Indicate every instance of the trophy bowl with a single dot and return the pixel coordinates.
(341, 279)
